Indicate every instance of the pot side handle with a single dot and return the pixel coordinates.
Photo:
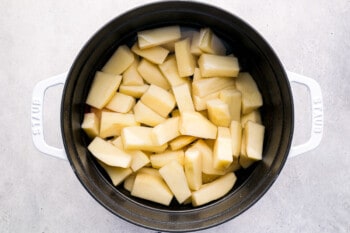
(37, 115)
(317, 113)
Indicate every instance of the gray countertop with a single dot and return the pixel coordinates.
(39, 39)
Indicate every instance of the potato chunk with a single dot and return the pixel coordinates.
(171, 73)
(159, 100)
(218, 112)
(146, 115)
(214, 190)
(134, 91)
(222, 153)
(236, 136)
(193, 168)
(252, 116)
(208, 42)
(154, 54)
(214, 65)
(195, 124)
(151, 73)
(204, 87)
(174, 176)
(184, 58)
(183, 97)
(139, 138)
(131, 76)
(166, 131)
(121, 103)
(151, 188)
(181, 142)
(158, 160)
(102, 89)
(254, 134)
(158, 36)
(109, 154)
(117, 174)
(233, 98)
(91, 124)
(120, 61)
(251, 97)
(113, 122)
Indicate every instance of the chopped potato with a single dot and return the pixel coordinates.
(113, 122)
(152, 75)
(204, 87)
(222, 153)
(185, 60)
(208, 42)
(171, 73)
(91, 124)
(154, 54)
(117, 174)
(183, 97)
(158, 160)
(215, 65)
(181, 142)
(193, 168)
(121, 103)
(135, 91)
(218, 112)
(166, 131)
(153, 37)
(146, 115)
(120, 61)
(254, 134)
(195, 124)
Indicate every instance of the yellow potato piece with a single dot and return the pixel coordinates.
(214, 65)
(131, 76)
(251, 97)
(109, 154)
(204, 87)
(154, 54)
(152, 75)
(181, 142)
(134, 91)
(174, 176)
(208, 42)
(113, 122)
(146, 115)
(139, 138)
(102, 89)
(214, 190)
(254, 134)
(222, 153)
(236, 136)
(139, 159)
(159, 100)
(151, 188)
(218, 112)
(193, 168)
(158, 36)
(195, 124)
(233, 98)
(171, 73)
(121, 103)
(185, 60)
(117, 174)
(166, 131)
(158, 160)
(91, 124)
(183, 97)
(120, 61)
(252, 116)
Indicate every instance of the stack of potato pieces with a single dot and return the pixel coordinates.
(173, 117)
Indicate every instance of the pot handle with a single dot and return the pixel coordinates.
(317, 113)
(37, 115)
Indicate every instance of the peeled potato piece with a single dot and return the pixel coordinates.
(158, 160)
(185, 60)
(254, 134)
(166, 131)
(91, 124)
(193, 168)
(183, 97)
(218, 112)
(215, 65)
(117, 174)
(214, 190)
(120, 61)
(208, 42)
(154, 54)
(121, 103)
(146, 115)
(204, 87)
(158, 36)
(222, 153)
(195, 124)
(171, 73)
(152, 75)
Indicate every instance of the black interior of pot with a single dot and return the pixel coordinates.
(255, 56)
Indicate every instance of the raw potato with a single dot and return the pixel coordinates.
(121, 103)
(252, 116)
(200, 103)
(184, 58)
(183, 97)
(254, 134)
(139, 138)
(139, 159)
(155, 54)
(151, 188)
(193, 168)
(251, 97)
(174, 176)
(160, 159)
(195, 124)
(135, 91)
(152, 75)
(214, 190)
(159, 100)
(158, 36)
(208, 42)
(233, 98)
(204, 87)
(236, 136)
(117, 174)
(170, 72)
(102, 89)
(146, 115)
(181, 142)
(120, 61)
(113, 122)
(131, 76)
(218, 112)
(91, 124)
(222, 153)
(109, 154)
(166, 131)
(214, 65)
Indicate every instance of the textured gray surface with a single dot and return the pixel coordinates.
(39, 39)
